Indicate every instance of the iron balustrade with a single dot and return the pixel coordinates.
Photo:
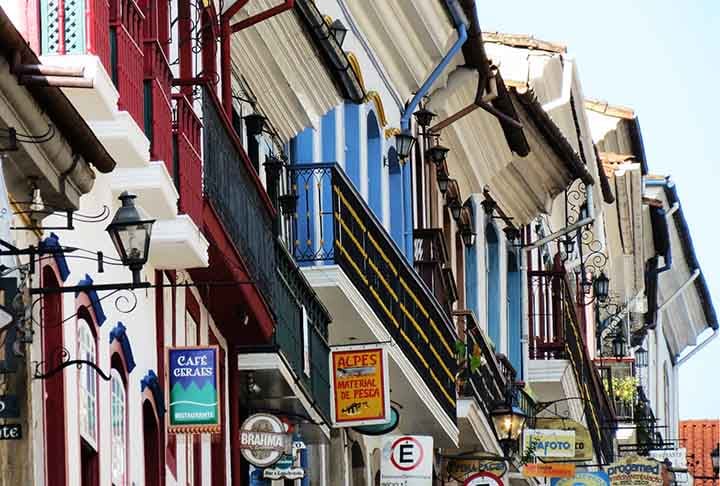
(301, 320)
(487, 383)
(334, 225)
(555, 334)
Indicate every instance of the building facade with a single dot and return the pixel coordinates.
(291, 216)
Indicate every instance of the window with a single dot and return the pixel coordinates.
(88, 384)
(118, 400)
(492, 269)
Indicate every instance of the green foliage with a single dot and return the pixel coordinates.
(624, 389)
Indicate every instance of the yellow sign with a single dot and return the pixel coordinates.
(583, 443)
(360, 388)
(551, 442)
(543, 470)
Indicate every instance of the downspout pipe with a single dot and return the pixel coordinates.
(461, 25)
(667, 257)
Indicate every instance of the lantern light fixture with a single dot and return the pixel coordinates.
(403, 144)
(437, 153)
(339, 31)
(601, 287)
(509, 421)
(424, 117)
(641, 357)
(130, 231)
(455, 208)
(619, 345)
(254, 124)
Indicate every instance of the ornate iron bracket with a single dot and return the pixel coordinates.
(65, 362)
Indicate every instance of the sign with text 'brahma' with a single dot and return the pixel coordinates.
(194, 395)
(360, 388)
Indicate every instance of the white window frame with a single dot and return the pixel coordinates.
(118, 427)
(87, 384)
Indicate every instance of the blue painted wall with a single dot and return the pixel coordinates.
(329, 139)
(514, 312)
(352, 143)
(374, 165)
(301, 152)
(407, 210)
(492, 264)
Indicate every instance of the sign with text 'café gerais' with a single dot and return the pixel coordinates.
(550, 442)
(635, 471)
(360, 386)
(193, 390)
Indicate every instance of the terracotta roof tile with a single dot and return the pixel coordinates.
(700, 437)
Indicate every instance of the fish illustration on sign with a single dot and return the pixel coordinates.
(357, 371)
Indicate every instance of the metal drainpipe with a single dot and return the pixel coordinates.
(667, 257)
(226, 30)
(460, 25)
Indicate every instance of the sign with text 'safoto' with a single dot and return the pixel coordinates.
(193, 389)
(407, 460)
(360, 388)
(551, 442)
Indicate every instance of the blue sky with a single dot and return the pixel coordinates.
(661, 58)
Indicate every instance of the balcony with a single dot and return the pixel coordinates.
(375, 295)
(431, 263)
(560, 366)
(288, 361)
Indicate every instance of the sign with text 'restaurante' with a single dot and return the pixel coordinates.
(360, 388)
(193, 389)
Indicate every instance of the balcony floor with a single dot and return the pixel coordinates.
(354, 322)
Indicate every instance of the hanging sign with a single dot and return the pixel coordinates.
(460, 469)
(360, 387)
(598, 478)
(550, 442)
(193, 385)
(407, 460)
(583, 443)
(288, 466)
(552, 470)
(10, 432)
(264, 440)
(483, 479)
(9, 406)
(635, 471)
(678, 457)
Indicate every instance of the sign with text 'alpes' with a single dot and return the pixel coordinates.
(193, 390)
(360, 388)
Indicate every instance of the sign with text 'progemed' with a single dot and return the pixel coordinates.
(635, 471)
(360, 388)
(193, 390)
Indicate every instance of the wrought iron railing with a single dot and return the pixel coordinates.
(555, 334)
(486, 383)
(334, 225)
(126, 57)
(301, 321)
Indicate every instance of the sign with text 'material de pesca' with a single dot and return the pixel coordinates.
(360, 388)
(193, 389)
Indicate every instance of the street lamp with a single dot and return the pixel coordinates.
(424, 117)
(509, 421)
(618, 345)
(339, 31)
(437, 154)
(601, 287)
(403, 144)
(130, 232)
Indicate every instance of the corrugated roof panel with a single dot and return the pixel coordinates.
(284, 70)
